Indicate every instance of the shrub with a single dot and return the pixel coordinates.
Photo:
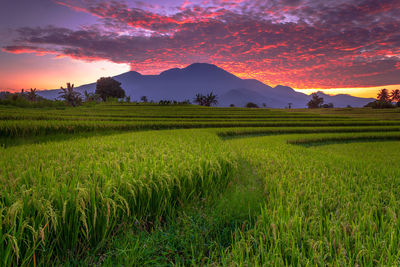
(329, 105)
(206, 100)
(379, 104)
(251, 105)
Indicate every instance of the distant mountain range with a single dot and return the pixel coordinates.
(181, 84)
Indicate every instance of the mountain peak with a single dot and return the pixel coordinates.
(207, 71)
(197, 69)
(131, 74)
(185, 83)
(283, 87)
(202, 66)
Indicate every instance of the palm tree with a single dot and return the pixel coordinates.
(199, 99)
(383, 95)
(32, 96)
(144, 99)
(395, 95)
(70, 96)
(206, 100)
(210, 99)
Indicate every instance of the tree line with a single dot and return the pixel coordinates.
(108, 89)
(386, 99)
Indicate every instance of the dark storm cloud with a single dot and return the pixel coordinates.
(299, 43)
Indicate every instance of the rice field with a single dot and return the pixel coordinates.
(150, 185)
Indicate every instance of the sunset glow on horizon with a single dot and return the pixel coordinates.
(345, 46)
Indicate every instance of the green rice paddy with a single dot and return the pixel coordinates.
(149, 185)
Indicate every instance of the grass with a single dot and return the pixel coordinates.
(88, 186)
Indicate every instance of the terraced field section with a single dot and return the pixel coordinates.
(149, 185)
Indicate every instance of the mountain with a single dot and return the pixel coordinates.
(180, 84)
(347, 100)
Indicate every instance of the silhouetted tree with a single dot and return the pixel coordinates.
(395, 96)
(70, 96)
(383, 100)
(199, 99)
(379, 104)
(383, 95)
(211, 99)
(264, 105)
(144, 99)
(290, 105)
(31, 95)
(232, 105)
(315, 101)
(251, 105)
(206, 100)
(107, 87)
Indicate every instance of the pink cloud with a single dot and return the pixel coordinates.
(302, 44)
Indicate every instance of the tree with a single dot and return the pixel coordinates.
(199, 99)
(315, 101)
(379, 104)
(107, 87)
(91, 97)
(384, 100)
(395, 95)
(31, 95)
(211, 99)
(232, 105)
(206, 100)
(264, 105)
(383, 95)
(290, 105)
(251, 105)
(144, 99)
(70, 96)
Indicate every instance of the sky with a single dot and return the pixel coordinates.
(335, 46)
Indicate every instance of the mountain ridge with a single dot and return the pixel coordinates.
(184, 83)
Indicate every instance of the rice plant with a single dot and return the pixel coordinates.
(294, 189)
